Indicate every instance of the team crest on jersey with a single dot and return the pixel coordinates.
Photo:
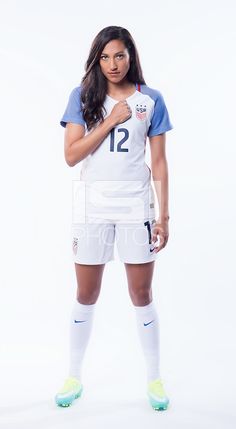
(75, 244)
(141, 111)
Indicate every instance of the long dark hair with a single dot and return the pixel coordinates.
(94, 83)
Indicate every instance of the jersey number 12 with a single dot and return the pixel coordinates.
(121, 142)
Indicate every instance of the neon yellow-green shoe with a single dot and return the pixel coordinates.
(71, 390)
(157, 395)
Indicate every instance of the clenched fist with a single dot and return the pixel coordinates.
(120, 112)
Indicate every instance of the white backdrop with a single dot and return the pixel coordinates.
(187, 51)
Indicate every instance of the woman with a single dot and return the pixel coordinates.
(107, 121)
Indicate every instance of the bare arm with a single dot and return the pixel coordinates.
(159, 170)
(160, 177)
(77, 145)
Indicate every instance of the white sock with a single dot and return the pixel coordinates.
(148, 330)
(80, 328)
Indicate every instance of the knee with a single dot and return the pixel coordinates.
(87, 299)
(141, 296)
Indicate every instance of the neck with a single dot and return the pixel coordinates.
(117, 88)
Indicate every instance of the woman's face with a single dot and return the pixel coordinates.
(115, 61)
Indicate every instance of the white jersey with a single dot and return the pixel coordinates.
(115, 181)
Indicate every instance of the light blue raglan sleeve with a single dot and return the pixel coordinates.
(160, 122)
(73, 112)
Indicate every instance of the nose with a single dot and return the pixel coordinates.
(113, 65)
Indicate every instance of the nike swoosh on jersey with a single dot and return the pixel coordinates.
(79, 321)
(145, 324)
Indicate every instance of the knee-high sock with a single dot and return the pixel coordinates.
(80, 329)
(148, 330)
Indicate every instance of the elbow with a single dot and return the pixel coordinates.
(70, 157)
(160, 163)
(69, 160)
(71, 164)
(159, 169)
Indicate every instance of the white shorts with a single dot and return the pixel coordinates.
(93, 241)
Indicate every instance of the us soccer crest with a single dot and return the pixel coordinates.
(141, 111)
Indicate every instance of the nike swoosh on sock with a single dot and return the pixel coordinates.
(145, 324)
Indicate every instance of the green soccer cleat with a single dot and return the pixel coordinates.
(156, 395)
(71, 390)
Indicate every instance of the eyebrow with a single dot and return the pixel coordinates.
(120, 52)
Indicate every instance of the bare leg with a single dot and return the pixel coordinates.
(89, 280)
(139, 278)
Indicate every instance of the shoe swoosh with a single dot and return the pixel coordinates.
(145, 324)
(79, 321)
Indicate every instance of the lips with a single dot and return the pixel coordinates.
(113, 74)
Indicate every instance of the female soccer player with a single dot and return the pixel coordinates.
(107, 121)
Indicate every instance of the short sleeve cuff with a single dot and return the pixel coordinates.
(65, 120)
(160, 130)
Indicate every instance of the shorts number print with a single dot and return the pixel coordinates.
(75, 245)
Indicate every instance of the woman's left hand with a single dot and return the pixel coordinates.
(160, 229)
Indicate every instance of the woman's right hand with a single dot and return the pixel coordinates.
(120, 112)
